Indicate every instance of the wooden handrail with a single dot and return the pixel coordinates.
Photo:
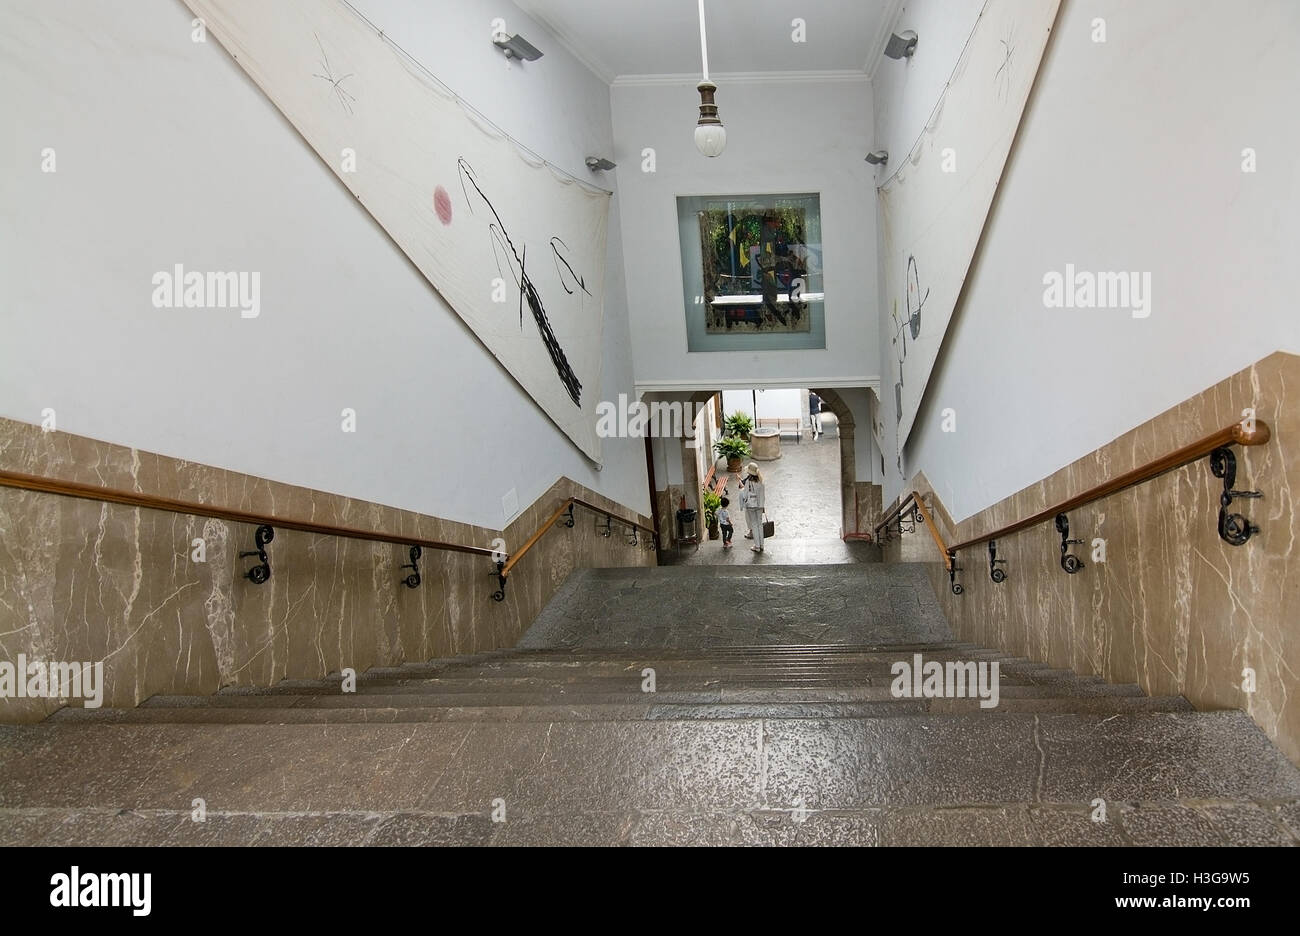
(891, 515)
(28, 482)
(934, 531)
(504, 563)
(1235, 434)
(554, 518)
(913, 498)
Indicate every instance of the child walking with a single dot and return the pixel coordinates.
(724, 523)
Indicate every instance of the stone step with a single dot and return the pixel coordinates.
(206, 714)
(756, 650)
(491, 660)
(675, 767)
(1189, 824)
(632, 683)
(508, 664)
(632, 686)
(742, 607)
(394, 699)
(733, 672)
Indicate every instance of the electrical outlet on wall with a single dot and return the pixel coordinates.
(510, 503)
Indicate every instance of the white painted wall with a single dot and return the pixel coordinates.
(667, 454)
(866, 454)
(782, 137)
(167, 153)
(1129, 158)
(775, 403)
(904, 91)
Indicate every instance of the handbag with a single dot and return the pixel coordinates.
(769, 526)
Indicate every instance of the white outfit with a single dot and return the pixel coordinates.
(752, 498)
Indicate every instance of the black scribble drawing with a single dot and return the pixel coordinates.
(914, 298)
(900, 351)
(562, 266)
(1003, 76)
(503, 248)
(910, 325)
(336, 84)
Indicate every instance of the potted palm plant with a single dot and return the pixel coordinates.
(734, 449)
(738, 424)
(712, 502)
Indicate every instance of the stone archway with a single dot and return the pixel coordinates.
(850, 521)
(848, 460)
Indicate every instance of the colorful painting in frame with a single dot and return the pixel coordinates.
(752, 272)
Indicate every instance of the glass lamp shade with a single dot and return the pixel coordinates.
(710, 139)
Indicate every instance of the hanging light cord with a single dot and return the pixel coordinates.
(704, 45)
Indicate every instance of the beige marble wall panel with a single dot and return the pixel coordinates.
(867, 502)
(88, 581)
(1173, 608)
(667, 503)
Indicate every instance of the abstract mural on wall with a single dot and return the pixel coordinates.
(933, 207)
(495, 233)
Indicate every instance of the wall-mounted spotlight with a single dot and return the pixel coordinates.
(597, 163)
(902, 45)
(878, 158)
(517, 47)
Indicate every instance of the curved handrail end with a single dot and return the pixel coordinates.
(1257, 435)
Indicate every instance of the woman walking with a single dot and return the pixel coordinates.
(752, 498)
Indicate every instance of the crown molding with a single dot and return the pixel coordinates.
(721, 78)
(533, 10)
(677, 386)
(887, 24)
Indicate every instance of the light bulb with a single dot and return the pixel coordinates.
(710, 135)
(710, 139)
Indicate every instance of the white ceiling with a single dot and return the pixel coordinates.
(622, 38)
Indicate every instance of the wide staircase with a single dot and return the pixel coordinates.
(686, 705)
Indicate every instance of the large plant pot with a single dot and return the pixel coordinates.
(714, 532)
(733, 465)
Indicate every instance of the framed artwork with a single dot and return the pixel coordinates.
(752, 272)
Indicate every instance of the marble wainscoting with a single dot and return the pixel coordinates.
(1173, 607)
(83, 581)
(867, 511)
(667, 503)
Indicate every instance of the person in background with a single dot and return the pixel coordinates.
(752, 498)
(815, 414)
(724, 523)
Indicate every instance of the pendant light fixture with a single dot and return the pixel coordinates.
(710, 135)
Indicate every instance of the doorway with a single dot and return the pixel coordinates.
(808, 478)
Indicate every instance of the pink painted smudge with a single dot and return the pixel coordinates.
(442, 204)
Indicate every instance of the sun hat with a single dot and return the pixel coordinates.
(752, 469)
